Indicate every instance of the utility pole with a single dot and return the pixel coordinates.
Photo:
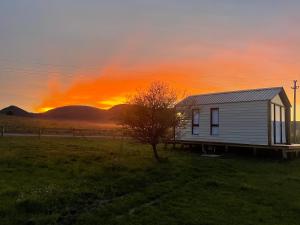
(295, 87)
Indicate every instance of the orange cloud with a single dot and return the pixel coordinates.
(111, 88)
(253, 67)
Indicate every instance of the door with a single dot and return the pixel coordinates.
(283, 128)
(278, 124)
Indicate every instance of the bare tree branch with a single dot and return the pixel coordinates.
(152, 115)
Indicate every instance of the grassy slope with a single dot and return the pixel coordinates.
(31, 123)
(15, 124)
(81, 181)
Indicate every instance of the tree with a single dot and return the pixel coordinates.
(152, 115)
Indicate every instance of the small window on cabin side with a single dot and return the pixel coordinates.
(195, 121)
(214, 121)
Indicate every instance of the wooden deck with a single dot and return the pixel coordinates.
(287, 147)
(287, 151)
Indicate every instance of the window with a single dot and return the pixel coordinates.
(214, 121)
(195, 121)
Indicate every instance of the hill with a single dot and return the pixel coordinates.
(76, 112)
(15, 111)
(116, 112)
(73, 112)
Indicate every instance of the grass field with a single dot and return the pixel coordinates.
(27, 122)
(25, 125)
(94, 181)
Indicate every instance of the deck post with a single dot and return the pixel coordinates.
(284, 154)
(203, 148)
(226, 148)
(254, 151)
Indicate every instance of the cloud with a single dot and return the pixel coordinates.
(256, 65)
(110, 88)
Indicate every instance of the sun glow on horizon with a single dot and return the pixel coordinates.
(107, 104)
(44, 109)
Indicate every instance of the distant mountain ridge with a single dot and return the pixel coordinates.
(15, 111)
(75, 112)
(72, 112)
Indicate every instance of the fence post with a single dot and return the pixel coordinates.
(122, 140)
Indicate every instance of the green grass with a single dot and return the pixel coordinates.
(93, 181)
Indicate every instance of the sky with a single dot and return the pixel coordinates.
(97, 53)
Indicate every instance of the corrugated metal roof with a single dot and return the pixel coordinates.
(263, 94)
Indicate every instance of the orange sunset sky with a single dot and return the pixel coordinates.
(96, 53)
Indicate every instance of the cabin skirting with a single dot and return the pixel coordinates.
(284, 151)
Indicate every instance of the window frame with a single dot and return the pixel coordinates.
(193, 122)
(211, 121)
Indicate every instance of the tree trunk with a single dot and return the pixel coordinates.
(155, 153)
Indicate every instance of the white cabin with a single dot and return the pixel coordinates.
(248, 117)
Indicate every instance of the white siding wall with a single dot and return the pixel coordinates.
(241, 123)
